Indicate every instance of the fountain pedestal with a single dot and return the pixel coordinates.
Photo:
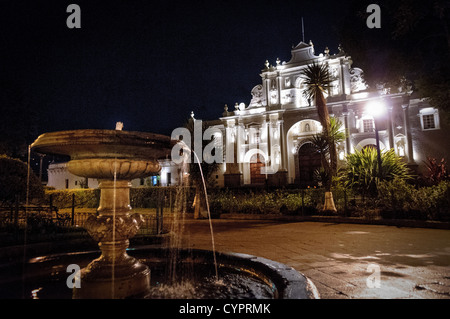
(114, 158)
(114, 274)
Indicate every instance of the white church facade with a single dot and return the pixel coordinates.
(269, 137)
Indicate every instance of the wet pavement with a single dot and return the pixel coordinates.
(344, 261)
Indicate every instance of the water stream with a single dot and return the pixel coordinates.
(114, 231)
(209, 216)
(180, 271)
(26, 219)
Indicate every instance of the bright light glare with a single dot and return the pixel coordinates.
(375, 108)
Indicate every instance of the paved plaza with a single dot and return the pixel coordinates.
(343, 260)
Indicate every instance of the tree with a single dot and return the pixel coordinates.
(14, 181)
(322, 144)
(317, 81)
(413, 43)
(19, 120)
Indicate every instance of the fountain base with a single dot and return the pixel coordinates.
(102, 279)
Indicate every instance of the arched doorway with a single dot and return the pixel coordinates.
(298, 134)
(370, 146)
(309, 160)
(256, 166)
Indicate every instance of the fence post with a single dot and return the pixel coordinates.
(170, 200)
(160, 217)
(158, 208)
(73, 208)
(16, 211)
(50, 204)
(303, 202)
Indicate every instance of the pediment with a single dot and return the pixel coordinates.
(302, 53)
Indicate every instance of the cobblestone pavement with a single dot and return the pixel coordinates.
(342, 260)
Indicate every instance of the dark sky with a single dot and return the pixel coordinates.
(149, 63)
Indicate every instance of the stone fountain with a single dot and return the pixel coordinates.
(114, 157)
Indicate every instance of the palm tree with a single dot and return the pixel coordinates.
(317, 80)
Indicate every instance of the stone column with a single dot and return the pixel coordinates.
(283, 146)
(342, 77)
(268, 138)
(232, 176)
(390, 127)
(278, 89)
(409, 145)
(347, 131)
(267, 88)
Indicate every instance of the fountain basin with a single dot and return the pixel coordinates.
(240, 276)
(103, 154)
(94, 143)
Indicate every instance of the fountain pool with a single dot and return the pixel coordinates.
(240, 276)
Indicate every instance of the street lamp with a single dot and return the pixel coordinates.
(376, 109)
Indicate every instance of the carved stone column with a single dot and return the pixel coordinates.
(390, 127)
(347, 131)
(409, 145)
(114, 274)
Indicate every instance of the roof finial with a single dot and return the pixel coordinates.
(119, 126)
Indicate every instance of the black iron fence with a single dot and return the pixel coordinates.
(67, 210)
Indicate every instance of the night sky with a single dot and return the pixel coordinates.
(149, 63)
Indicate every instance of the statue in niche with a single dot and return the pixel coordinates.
(307, 128)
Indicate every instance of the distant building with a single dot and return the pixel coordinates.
(59, 177)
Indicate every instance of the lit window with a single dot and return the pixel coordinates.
(428, 122)
(368, 125)
(429, 118)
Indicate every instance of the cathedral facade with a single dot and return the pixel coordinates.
(268, 140)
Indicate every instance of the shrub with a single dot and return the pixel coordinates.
(361, 172)
(433, 201)
(397, 199)
(266, 202)
(436, 171)
(86, 198)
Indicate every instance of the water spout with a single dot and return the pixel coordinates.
(185, 157)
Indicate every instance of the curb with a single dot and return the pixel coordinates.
(342, 220)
